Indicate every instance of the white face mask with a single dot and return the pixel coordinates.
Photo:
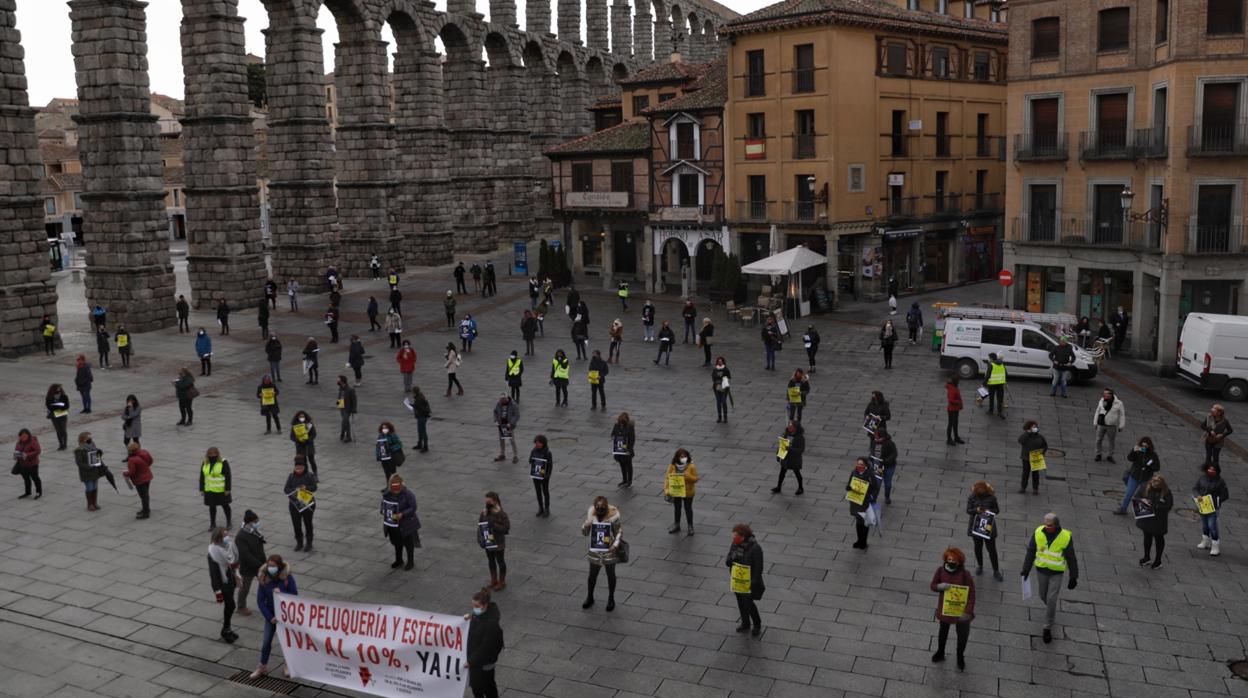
(302, 420)
(684, 460)
(1035, 430)
(273, 570)
(385, 431)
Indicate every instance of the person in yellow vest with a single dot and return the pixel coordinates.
(124, 346)
(623, 294)
(994, 381)
(214, 482)
(266, 393)
(513, 375)
(745, 560)
(48, 329)
(678, 484)
(1051, 551)
(559, 377)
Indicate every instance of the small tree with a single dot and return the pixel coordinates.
(257, 87)
(543, 261)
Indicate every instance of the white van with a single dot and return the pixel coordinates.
(1024, 346)
(1213, 353)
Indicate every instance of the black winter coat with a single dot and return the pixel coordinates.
(485, 638)
(1158, 523)
(749, 553)
(797, 446)
(250, 545)
(974, 503)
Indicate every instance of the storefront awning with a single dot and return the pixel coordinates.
(788, 262)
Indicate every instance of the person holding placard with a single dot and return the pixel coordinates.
(493, 525)
(678, 485)
(1216, 428)
(124, 346)
(1210, 493)
(26, 462)
(1050, 552)
(388, 449)
(876, 414)
(506, 416)
(1109, 418)
(399, 521)
(810, 340)
(406, 359)
(666, 339)
(1155, 527)
(514, 375)
(224, 578)
(623, 439)
(57, 403)
(139, 475)
(721, 385)
(799, 388)
(1033, 447)
(602, 525)
(300, 489)
(598, 371)
(983, 509)
(884, 457)
(267, 392)
(303, 435)
(615, 337)
(541, 464)
(311, 361)
(745, 560)
(860, 492)
(956, 604)
(90, 461)
(789, 449)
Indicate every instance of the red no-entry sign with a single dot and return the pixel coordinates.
(1005, 277)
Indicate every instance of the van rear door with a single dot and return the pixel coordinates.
(1193, 344)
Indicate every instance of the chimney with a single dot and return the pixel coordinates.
(675, 57)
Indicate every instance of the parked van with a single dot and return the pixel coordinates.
(1024, 346)
(1213, 353)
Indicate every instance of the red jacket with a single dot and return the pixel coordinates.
(953, 397)
(407, 360)
(962, 578)
(30, 451)
(139, 467)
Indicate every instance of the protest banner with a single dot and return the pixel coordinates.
(381, 650)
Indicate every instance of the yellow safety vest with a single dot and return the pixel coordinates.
(123, 340)
(214, 478)
(513, 367)
(560, 371)
(996, 374)
(623, 292)
(1050, 557)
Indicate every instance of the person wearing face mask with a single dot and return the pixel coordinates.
(994, 382)
(623, 441)
(131, 421)
(860, 492)
(312, 362)
(506, 416)
(877, 409)
(792, 444)
(57, 404)
(956, 604)
(394, 328)
(267, 393)
(388, 449)
(559, 377)
(1109, 419)
(452, 364)
(598, 371)
(772, 342)
(528, 331)
(26, 462)
(249, 543)
(745, 559)
(203, 349)
(399, 522)
(1210, 493)
(406, 359)
(884, 458)
(139, 475)
(1155, 527)
(678, 485)
(214, 482)
(541, 465)
(888, 341)
(303, 435)
(90, 461)
(467, 333)
(580, 338)
(347, 408)
(485, 642)
(602, 525)
(983, 500)
(795, 397)
(721, 386)
(1032, 449)
(1051, 551)
(953, 408)
(224, 578)
(615, 336)
(422, 411)
(1144, 465)
(493, 525)
(300, 492)
(514, 375)
(275, 575)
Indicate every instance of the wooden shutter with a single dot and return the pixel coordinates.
(1115, 29)
(1046, 37)
(1225, 17)
(1111, 113)
(1219, 105)
(1044, 116)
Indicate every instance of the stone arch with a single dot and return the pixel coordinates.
(596, 76)
(693, 34)
(574, 96)
(619, 72)
(662, 30)
(710, 40)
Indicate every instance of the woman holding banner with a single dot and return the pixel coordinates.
(275, 575)
(745, 559)
(266, 393)
(399, 521)
(982, 527)
(541, 462)
(956, 605)
(791, 446)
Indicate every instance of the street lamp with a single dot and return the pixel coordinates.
(1158, 216)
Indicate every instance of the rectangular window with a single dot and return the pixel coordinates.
(1042, 213)
(1044, 118)
(754, 74)
(1163, 21)
(78, 200)
(640, 104)
(981, 66)
(942, 186)
(897, 60)
(607, 119)
(622, 176)
(1107, 213)
(688, 187)
(686, 147)
(756, 126)
(968, 9)
(582, 176)
(981, 184)
(1225, 17)
(1046, 37)
(942, 134)
(49, 206)
(758, 197)
(912, 5)
(1219, 116)
(898, 134)
(1114, 29)
(666, 96)
(1111, 122)
(804, 68)
(804, 189)
(983, 147)
(804, 133)
(942, 7)
(940, 62)
(857, 179)
(997, 336)
(1156, 141)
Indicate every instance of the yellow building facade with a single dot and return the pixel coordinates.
(870, 132)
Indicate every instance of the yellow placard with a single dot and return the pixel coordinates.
(304, 496)
(782, 451)
(740, 578)
(341, 403)
(857, 490)
(953, 600)
(676, 485)
(268, 396)
(49, 330)
(394, 280)
(1036, 458)
(123, 340)
(301, 432)
(795, 395)
(59, 413)
(594, 378)
(1205, 504)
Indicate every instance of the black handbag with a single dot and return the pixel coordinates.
(621, 552)
(398, 457)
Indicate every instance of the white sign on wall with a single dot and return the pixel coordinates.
(691, 237)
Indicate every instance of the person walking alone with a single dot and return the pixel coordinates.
(792, 444)
(888, 340)
(452, 365)
(223, 316)
(493, 526)
(689, 314)
(704, 340)
(1144, 465)
(262, 319)
(102, 346)
(331, 321)
(347, 409)
(300, 490)
(394, 328)
(406, 359)
(983, 508)
(57, 404)
(422, 412)
(615, 337)
(275, 576)
(90, 461)
(1159, 501)
(1210, 493)
(215, 484)
(667, 338)
(678, 487)
(83, 379)
(506, 416)
(26, 462)
(994, 381)
(647, 320)
(1033, 448)
(1051, 552)
(292, 294)
(47, 328)
(559, 377)
(223, 576)
(267, 393)
(449, 305)
(303, 435)
(810, 340)
(273, 352)
(250, 545)
(605, 530)
(721, 385)
(183, 310)
(485, 643)
(745, 560)
(139, 474)
(400, 522)
(458, 273)
(372, 311)
(1062, 358)
(124, 345)
(860, 492)
(312, 361)
(203, 349)
(795, 396)
(598, 371)
(956, 604)
(528, 331)
(355, 359)
(185, 391)
(623, 443)
(953, 409)
(914, 323)
(541, 465)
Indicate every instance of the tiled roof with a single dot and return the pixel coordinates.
(628, 137)
(666, 72)
(709, 92)
(878, 14)
(612, 101)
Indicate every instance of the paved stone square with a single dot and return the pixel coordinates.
(102, 604)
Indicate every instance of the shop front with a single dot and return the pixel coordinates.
(1101, 292)
(1045, 288)
(938, 257)
(683, 256)
(980, 254)
(903, 254)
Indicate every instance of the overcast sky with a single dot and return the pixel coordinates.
(50, 66)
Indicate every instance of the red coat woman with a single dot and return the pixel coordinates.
(955, 603)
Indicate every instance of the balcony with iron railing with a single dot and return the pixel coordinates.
(1214, 239)
(803, 146)
(944, 205)
(986, 202)
(804, 80)
(1217, 140)
(758, 211)
(1041, 146)
(1106, 145)
(897, 145)
(1151, 142)
(987, 146)
(1114, 234)
(903, 206)
(804, 211)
